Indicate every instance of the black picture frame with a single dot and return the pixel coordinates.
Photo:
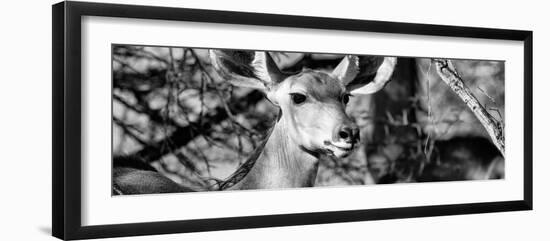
(66, 141)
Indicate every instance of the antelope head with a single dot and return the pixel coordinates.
(312, 102)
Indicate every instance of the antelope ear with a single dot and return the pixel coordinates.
(366, 83)
(253, 69)
(347, 69)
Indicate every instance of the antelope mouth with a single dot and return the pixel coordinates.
(339, 149)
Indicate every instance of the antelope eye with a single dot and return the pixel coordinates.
(345, 98)
(298, 98)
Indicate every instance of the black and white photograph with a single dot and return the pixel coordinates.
(191, 119)
(275, 120)
(285, 120)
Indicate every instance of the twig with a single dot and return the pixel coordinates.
(488, 96)
(184, 134)
(127, 129)
(430, 115)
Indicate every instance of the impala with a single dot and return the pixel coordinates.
(311, 122)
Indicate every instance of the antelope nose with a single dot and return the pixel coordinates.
(348, 133)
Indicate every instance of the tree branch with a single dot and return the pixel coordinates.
(448, 74)
(183, 135)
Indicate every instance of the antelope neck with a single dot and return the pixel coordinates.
(282, 163)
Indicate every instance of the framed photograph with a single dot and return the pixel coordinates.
(171, 120)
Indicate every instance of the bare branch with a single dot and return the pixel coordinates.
(494, 128)
(183, 135)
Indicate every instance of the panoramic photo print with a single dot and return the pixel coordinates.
(196, 119)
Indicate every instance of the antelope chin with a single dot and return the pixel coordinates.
(339, 149)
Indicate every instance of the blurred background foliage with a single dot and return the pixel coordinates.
(172, 111)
